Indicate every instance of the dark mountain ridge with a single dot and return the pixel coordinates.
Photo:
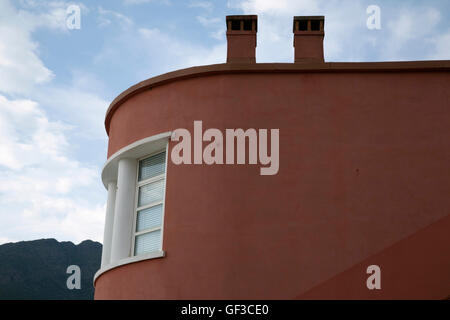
(37, 269)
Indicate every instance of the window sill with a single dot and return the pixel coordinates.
(147, 256)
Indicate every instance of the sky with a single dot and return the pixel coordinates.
(56, 82)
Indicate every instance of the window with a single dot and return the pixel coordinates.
(149, 204)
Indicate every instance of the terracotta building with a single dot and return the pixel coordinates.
(363, 179)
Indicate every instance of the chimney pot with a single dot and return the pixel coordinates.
(241, 38)
(308, 38)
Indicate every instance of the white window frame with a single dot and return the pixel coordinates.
(155, 203)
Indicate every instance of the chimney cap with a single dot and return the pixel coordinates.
(250, 17)
(242, 17)
(307, 19)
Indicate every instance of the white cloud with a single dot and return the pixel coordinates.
(442, 46)
(206, 22)
(346, 35)
(105, 17)
(216, 26)
(206, 5)
(72, 219)
(178, 53)
(278, 7)
(52, 16)
(406, 26)
(275, 20)
(133, 2)
(20, 65)
(83, 109)
(150, 51)
(404, 31)
(24, 73)
(30, 141)
(44, 191)
(26, 133)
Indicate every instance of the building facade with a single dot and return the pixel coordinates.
(363, 179)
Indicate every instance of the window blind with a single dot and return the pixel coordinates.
(147, 242)
(152, 166)
(149, 218)
(149, 210)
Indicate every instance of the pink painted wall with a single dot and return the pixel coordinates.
(364, 163)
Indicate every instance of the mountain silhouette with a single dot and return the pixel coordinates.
(36, 270)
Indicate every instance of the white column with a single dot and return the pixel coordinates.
(124, 210)
(109, 223)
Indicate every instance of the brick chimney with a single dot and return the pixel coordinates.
(241, 38)
(308, 38)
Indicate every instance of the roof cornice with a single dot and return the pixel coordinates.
(229, 68)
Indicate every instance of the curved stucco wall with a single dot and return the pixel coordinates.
(363, 164)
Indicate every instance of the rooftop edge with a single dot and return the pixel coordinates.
(227, 68)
